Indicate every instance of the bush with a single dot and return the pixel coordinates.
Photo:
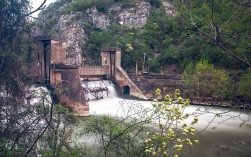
(154, 65)
(205, 81)
(244, 85)
(80, 5)
(167, 57)
(155, 3)
(155, 131)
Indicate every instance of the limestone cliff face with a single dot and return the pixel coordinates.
(72, 26)
(170, 11)
(135, 15)
(98, 19)
(53, 21)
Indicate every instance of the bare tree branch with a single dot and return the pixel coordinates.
(41, 7)
(39, 136)
(214, 39)
(214, 25)
(24, 131)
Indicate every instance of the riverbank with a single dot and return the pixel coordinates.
(200, 101)
(227, 140)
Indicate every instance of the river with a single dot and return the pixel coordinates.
(226, 140)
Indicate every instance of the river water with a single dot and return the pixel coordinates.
(226, 140)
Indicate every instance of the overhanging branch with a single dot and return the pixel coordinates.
(214, 39)
(41, 7)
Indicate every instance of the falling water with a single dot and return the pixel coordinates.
(227, 140)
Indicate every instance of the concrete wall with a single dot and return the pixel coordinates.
(167, 84)
(58, 52)
(93, 70)
(118, 58)
(64, 79)
(113, 62)
(56, 78)
(106, 62)
(122, 80)
(73, 96)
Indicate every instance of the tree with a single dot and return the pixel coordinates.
(24, 120)
(26, 114)
(244, 85)
(159, 130)
(58, 139)
(203, 80)
(97, 40)
(224, 23)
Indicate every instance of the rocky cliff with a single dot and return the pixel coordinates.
(74, 25)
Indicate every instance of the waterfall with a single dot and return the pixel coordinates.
(109, 89)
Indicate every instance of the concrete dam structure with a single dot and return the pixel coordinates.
(65, 80)
(112, 70)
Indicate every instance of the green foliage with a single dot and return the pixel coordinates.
(12, 153)
(155, 3)
(169, 38)
(74, 151)
(16, 48)
(230, 18)
(154, 65)
(244, 85)
(168, 56)
(158, 30)
(170, 140)
(80, 5)
(97, 40)
(173, 39)
(57, 139)
(12, 18)
(57, 4)
(156, 131)
(205, 81)
(101, 5)
(116, 136)
(52, 22)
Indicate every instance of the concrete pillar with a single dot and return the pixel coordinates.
(118, 57)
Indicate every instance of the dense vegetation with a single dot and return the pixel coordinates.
(216, 31)
(172, 40)
(202, 39)
(143, 131)
(28, 116)
(213, 32)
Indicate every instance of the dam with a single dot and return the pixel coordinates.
(51, 69)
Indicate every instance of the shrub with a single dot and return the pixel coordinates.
(205, 81)
(159, 130)
(154, 65)
(80, 5)
(244, 85)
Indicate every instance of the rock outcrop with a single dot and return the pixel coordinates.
(136, 16)
(170, 11)
(70, 27)
(73, 26)
(98, 19)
